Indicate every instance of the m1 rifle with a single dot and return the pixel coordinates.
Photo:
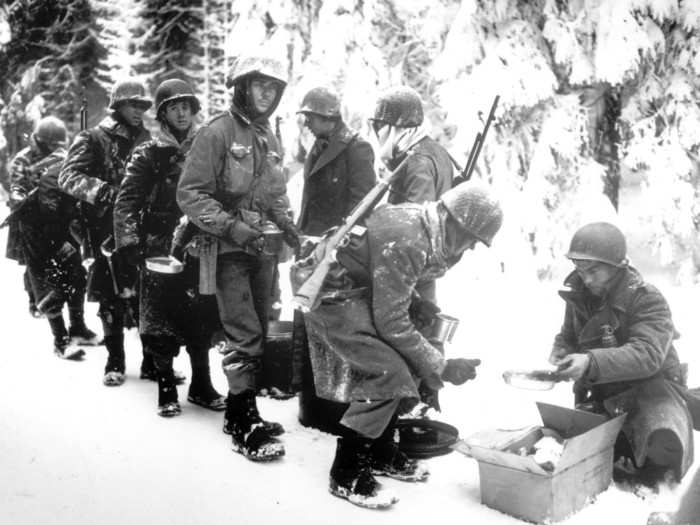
(466, 173)
(323, 255)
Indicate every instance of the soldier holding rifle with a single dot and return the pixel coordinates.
(92, 172)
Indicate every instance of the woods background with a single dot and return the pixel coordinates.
(595, 94)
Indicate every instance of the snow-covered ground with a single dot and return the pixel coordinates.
(75, 452)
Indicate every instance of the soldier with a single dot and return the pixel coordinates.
(92, 172)
(172, 312)
(364, 345)
(339, 169)
(616, 343)
(398, 126)
(231, 185)
(43, 213)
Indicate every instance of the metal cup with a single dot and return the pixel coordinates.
(443, 329)
(274, 240)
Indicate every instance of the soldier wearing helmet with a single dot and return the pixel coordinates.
(365, 342)
(232, 187)
(42, 229)
(146, 215)
(339, 169)
(93, 170)
(397, 125)
(616, 343)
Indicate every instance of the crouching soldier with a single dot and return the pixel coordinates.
(232, 186)
(92, 172)
(616, 343)
(364, 347)
(43, 217)
(171, 311)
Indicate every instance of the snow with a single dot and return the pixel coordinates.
(75, 452)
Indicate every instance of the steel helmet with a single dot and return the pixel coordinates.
(50, 131)
(475, 208)
(128, 90)
(175, 89)
(321, 101)
(399, 106)
(246, 67)
(599, 241)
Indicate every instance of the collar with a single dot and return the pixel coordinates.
(165, 138)
(627, 280)
(112, 126)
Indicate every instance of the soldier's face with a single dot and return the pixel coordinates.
(262, 93)
(595, 275)
(132, 112)
(318, 125)
(178, 115)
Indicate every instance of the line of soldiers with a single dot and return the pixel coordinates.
(209, 196)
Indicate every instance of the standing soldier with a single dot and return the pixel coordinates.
(398, 126)
(231, 185)
(43, 216)
(92, 172)
(146, 215)
(339, 169)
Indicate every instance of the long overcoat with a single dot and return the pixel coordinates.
(639, 372)
(96, 159)
(364, 345)
(145, 216)
(337, 175)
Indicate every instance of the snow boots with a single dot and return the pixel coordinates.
(78, 331)
(61, 341)
(387, 460)
(115, 367)
(201, 391)
(168, 405)
(250, 435)
(351, 475)
(149, 372)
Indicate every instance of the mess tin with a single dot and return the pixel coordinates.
(274, 240)
(166, 264)
(443, 328)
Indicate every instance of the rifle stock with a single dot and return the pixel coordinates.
(323, 255)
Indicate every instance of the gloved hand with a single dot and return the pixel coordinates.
(290, 235)
(422, 312)
(458, 371)
(106, 195)
(16, 196)
(243, 234)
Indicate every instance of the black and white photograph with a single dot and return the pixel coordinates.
(349, 261)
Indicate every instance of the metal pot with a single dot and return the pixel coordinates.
(443, 328)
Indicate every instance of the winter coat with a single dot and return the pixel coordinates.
(145, 216)
(96, 161)
(364, 346)
(338, 173)
(637, 373)
(44, 225)
(426, 175)
(233, 173)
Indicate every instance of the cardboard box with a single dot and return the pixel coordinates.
(518, 486)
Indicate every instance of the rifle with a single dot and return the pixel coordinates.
(87, 243)
(306, 297)
(466, 173)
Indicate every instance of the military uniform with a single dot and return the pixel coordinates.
(92, 173)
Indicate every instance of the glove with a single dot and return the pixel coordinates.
(16, 196)
(243, 234)
(459, 371)
(106, 195)
(291, 237)
(422, 312)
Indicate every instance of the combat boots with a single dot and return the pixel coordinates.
(249, 434)
(201, 391)
(78, 331)
(351, 475)
(61, 341)
(168, 405)
(115, 367)
(387, 460)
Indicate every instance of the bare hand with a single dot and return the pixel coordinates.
(555, 357)
(574, 366)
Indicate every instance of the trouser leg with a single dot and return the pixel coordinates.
(243, 296)
(111, 314)
(370, 419)
(162, 350)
